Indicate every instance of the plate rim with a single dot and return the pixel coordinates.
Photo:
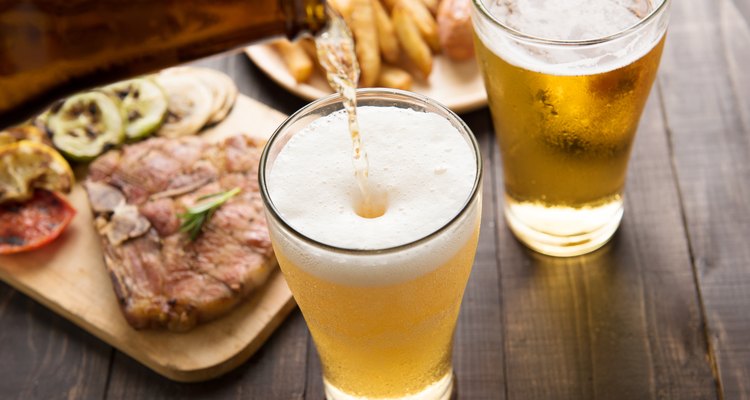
(257, 54)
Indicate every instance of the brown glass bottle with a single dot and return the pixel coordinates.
(52, 48)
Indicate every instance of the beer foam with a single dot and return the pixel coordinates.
(570, 20)
(419, 159)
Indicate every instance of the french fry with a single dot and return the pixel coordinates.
(425, 22)
(296, 59)
(394, 77)
(343, 7)
(414, 45)
(386, 33)
(411, 26)
(432, 5)
(389, 4)
(362, 24)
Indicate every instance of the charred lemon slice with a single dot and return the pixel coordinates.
(86, 125)
(27, 165)
(143, 104)
(24, 132)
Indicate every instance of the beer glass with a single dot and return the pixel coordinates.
(382, 319)
(567, 82)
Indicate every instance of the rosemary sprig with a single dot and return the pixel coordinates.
(197, 215)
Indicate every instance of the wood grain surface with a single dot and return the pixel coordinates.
(659, 313)
(705, 91)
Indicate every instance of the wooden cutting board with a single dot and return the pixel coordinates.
(69, 277)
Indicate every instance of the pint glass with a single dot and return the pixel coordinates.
(382, 307)
(567, 82)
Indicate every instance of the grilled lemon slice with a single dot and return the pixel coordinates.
(27, 165)
(86, 125)
(23, 132)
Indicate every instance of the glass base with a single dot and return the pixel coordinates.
(440, 390)
(563, 231)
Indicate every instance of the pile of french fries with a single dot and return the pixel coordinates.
(395, 41)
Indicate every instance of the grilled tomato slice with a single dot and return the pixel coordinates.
(33, 223)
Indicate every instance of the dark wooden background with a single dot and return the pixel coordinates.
(662, 312)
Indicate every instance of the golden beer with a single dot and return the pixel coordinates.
(380, 295)
(384, 340)
(565, 115)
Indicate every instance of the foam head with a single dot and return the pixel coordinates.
(570, 20)
(425, 167)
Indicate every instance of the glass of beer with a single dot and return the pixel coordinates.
(567, 82)
(380, 292)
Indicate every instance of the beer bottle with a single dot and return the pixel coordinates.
(53, 48)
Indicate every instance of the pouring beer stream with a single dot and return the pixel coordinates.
(335, 47)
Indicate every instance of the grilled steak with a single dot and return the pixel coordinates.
(161, 278)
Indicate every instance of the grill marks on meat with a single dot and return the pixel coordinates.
(161, 278)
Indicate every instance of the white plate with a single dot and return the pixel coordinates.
(458, 85)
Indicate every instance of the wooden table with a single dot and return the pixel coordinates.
(663, 311)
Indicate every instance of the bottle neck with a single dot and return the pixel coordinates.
(304, 16)
(93, 42)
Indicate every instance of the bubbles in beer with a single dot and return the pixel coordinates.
(566, 113)
(571, 19)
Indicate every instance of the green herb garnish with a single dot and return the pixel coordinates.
(197, 215)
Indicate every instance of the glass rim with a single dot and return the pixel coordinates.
(370, 92)
(479, 4)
